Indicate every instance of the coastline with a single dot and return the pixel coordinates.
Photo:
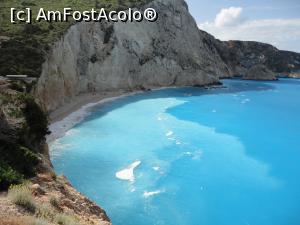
(70, 114)
(78, 102)
(67, 116)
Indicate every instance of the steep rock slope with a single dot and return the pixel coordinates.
(24, 157)
(129, 56)
(241, 56)
(259, 72)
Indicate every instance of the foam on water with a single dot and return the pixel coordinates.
(151, 193)
(170, 133)
(128, 173)
(156, 168)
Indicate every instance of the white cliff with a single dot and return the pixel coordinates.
(129, 56)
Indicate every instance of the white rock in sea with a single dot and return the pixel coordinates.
(128, 173)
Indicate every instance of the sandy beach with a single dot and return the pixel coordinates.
(81, 100)
(70, 114)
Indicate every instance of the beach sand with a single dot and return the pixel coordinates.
(70, 114)
(83, 99)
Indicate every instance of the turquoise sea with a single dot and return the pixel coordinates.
(191, 156)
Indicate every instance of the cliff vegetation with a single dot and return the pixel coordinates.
(23, 126)
(36, 195)
(23, 46)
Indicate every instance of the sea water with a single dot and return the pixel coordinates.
(191, 156)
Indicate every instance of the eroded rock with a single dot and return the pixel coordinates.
(259, 72)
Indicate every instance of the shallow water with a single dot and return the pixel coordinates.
(188, 156)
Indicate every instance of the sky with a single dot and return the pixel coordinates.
(276, 22)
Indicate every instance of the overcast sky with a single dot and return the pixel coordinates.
(276, 22)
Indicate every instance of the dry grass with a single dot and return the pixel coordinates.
(64, 219)
(40, 222)
(45, 211)
(22, 196)
(22, 221)
(16, 221)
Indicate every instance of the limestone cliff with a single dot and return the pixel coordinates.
(129, 56)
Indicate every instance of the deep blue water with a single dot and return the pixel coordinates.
(228, 156)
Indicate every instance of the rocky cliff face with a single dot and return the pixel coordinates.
(24, 156)
(241, 56)
(259, 72)
(129, 56)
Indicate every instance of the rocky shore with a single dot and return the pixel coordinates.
(47, 188)
(23, 153)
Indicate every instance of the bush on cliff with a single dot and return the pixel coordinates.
(21, 138)
(16, 163)
(8, 176)
(21, 56)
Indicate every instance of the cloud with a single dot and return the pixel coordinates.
(229, 17)
(283, 33)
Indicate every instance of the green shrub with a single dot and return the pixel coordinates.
(17, 86)
(30, 157)
(22, 196)
(9, 176)
(15, 112)
(54, 202)
(21, 56)
(16, 162)
(20, 158)
(5, 98)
